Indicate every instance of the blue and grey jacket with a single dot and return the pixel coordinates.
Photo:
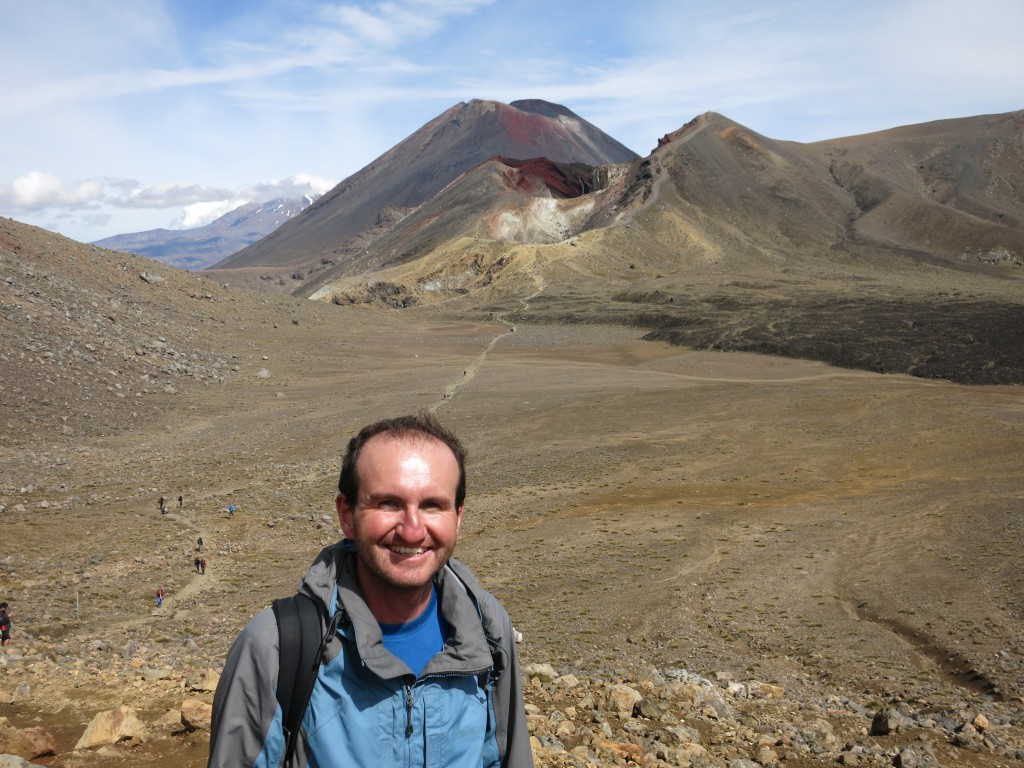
(465, 710)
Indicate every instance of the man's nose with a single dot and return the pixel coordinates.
(411, 523)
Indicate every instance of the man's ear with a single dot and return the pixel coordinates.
(458, 519)
(346, 516)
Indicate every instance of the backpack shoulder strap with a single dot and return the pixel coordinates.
(299, 628)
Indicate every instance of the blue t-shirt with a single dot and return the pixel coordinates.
(416, 642)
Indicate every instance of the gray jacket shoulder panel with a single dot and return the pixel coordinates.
(245, 702)
(512, 732)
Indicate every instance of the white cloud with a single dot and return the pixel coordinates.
(292, 187)
(345, 34)
(391, 23)
(940, 49)
(98, 208)
(201, 214)
(379, 30)
(37, 190)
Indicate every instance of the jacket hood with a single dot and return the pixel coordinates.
(332, 577)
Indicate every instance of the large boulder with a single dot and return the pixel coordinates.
(205, 681)
(196, 715)
(26, 742)
(622, 699)
(113, 726)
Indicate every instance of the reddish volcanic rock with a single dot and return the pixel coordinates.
(563, 180)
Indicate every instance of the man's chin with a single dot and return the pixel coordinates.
(411, 580)
(403, 576)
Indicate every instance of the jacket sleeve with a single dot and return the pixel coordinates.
(245, 709)
(513, 735)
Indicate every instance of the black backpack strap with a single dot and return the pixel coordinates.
(299, 628)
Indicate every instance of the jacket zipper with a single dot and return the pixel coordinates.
(409, 680)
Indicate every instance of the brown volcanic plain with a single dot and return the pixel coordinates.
(849, 535)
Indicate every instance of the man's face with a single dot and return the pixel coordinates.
(405, 521)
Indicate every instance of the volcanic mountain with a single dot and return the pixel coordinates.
(901, 250)
(423, 164)
(201, 247)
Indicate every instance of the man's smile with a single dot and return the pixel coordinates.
(407, 550)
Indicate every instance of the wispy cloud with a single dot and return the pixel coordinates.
(113, 110)
(36, 192)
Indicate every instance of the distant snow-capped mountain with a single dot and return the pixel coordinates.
(201, 247)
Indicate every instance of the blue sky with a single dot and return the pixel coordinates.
(126, 115)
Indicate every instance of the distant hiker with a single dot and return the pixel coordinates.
(231, 510)
(202, 566)
(181, 502)
(5, 623)
(196, 563)
(159, 598)
(163, 506)
(199, 541)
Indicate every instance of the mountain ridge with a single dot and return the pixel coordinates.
(734, 194)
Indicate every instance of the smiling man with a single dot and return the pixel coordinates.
(417, 663)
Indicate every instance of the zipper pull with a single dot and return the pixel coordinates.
(408, 707)
(332, 630)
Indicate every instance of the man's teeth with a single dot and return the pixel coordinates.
(408, 550)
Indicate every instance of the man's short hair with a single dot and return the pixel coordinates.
(400, 427)
(3, 606)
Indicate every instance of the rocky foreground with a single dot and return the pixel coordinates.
(641, 717)
(678, 718)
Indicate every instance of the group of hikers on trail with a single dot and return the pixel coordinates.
(162, 504)
(200, 566)
(200, 562)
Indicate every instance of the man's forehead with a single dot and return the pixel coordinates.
(411, 439)
(377, 447)
(383, 471)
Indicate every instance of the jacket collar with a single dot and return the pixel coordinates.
(333, 576)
